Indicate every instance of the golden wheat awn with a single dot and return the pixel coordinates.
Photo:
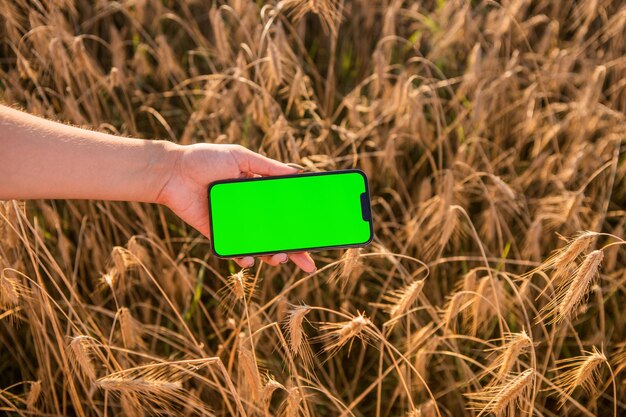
(130, 329)
(238, 289)
(11, 291)
(576, 247)
(335, 335)
(516, 345)
(425, 352)
(80, 350)
(292, 405)
(327, 10)
(249, 375)
(507, 398)
(580, 371)
(563, 261)
(296, 336)
(399, 301)
(158, 386)
(349, 269)
(145, 386)
(571, 293)
(492, 134)
(270, 386)
(33, 396)
(452, 309)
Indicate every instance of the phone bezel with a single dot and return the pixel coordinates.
(276, 177)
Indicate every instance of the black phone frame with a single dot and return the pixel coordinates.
(275, 177)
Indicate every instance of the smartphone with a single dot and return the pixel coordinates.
(290, 213)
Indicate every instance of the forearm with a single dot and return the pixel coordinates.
(44, 159)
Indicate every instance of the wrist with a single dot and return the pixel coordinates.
(163, 165)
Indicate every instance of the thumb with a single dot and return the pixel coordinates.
(252, 162)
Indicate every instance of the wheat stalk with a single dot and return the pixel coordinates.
(349, 268)
(122, 259)
(296, 336)
(401, 300)
(238, 289)
(336, 335)
(514, 346)
(269, 387)
(10, 292)
(505, 398)
(153, 385)
(566, 257)
(33, 396)
(293, 405)
(572, 292)
(80, 352)
(327, 10)
(157, 387)
(451, 310)
(248, 371)
(131, 329)
(580, 371)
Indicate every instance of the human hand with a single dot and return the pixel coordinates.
(193, 167)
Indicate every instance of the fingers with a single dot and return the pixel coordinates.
(304, 261)
(301, 259)
(258, 164)
(245, 262)
(276, 259)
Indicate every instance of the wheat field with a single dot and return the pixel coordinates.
(492, 135)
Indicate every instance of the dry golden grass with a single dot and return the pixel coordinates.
(492, 134)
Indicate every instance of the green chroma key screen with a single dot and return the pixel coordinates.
(290, 213)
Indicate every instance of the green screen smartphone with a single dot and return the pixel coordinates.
(290, 213)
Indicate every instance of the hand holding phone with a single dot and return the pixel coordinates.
(184, 172)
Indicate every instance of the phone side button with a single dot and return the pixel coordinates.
(366, 212)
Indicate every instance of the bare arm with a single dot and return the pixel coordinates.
(44, 159)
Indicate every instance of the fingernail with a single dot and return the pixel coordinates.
(284, 259)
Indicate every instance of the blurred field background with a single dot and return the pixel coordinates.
(492, 136)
